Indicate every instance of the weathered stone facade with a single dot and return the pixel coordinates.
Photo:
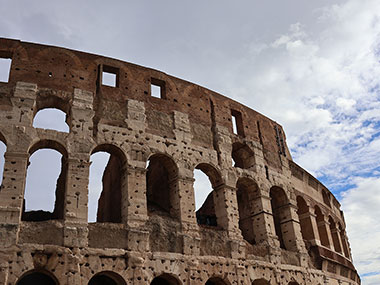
(267, 221)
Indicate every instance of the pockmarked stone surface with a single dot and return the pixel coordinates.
(266, 220)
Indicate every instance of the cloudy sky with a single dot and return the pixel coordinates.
(313, 66)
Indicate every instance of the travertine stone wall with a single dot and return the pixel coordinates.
(266, 221)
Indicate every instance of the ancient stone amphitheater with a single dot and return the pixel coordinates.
(266, 221)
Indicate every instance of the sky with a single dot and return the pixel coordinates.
(312, 66)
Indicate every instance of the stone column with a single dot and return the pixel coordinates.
(134, 208)
(76, 199)
(23, 101)
(308, 222)
(191, 239)
(324, 232)
(12, 196)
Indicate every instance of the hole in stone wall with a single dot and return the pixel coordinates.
(105, 182)
(278, 203)
(247, 192)
(202, 188)
(110, 76)
(237, 123)
(99, 162)
(205, 212)
(3, 149)
(161, 184)
(242, 156)
(52, 119)
(157, 88)
(215, 281)
(45, 186)
(5, 68)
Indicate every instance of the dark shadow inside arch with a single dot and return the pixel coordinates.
(279, 201)
(247, 192)
(261, 281)
(36, 277)
(107, 278)
(113, 177)
(242, 155)
(206, 214)
(42, 164)
(165, 279)
(161, 184)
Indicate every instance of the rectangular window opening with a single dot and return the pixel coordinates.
(5, 68)
(110, 76)
(237, 123)
(157, 88)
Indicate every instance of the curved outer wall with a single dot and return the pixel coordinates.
(267, 220)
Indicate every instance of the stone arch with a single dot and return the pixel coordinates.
(217, 281)
(107, 278)
(165, 279)
(326, 198)
(41, 277)
(335, 235)
(260, 281)
(304, 218)
(344, 240)
(323, 235)
(55, 105)
(280, 205)
(162, 185)
(113, 180)
(242, 155)
(293, 283)
(247, 192)
(60, 190)
(206, 215)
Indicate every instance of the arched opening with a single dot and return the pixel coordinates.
(206, 213)
(247, 192)
(107, 177)
(293, 283)
(3, 149)
(161, 183)
(45, 182)
(344, 240)
(202, 188)
(165, 279)
(260, 282)
(107, 278)
(322, 227)
(37, 277)
(216, 281)
(242, 156)
(304, 218)
(334, 235)
(326, 198)
(52, 119)
(279, 201)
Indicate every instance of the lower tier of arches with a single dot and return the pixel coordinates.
(28, 264)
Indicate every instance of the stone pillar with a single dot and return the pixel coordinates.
(23, 102)
(76, 199)
(324, 232)
(291, 229)
(336, 239)
(263, 226)
(191, 239)
(12, 196)
(134, 208)
(309, 225)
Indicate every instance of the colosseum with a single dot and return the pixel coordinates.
(265, 221)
